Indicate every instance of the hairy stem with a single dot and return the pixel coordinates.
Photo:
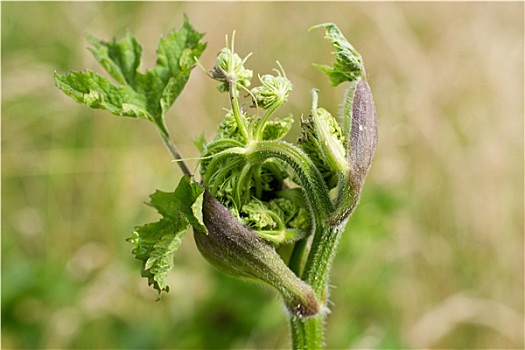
(311, 180)
(320, 259)
(237, 111)
(296, 259)
(260, 126)
(173, 151)
(308, 333)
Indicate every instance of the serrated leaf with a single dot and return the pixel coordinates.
(348, 65)
(191, 207)
(143, 95)
(171, 204)
(176, 56)
(94, 91)
(156, 243)
(121, 59)
(169, 94)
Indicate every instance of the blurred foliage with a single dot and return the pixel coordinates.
(433, 257)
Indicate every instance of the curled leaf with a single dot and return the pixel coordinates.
(349, 64)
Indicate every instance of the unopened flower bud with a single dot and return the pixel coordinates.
(229, 69)
(361, 146)
(238, 251)
(363, 134)
(273, 91)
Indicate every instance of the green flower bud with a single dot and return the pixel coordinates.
(238, 251)
(274, 90)
(229, 69)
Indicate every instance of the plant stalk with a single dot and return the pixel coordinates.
(174, 152)
(308, 333)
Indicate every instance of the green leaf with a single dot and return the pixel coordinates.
(94, 91)
(176, 56)
(348, 65)
(171, 204)
(146, 95)
(121, 59)
(156, 243)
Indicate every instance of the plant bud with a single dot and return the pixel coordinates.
(363, 134)
(238, 251)
(229, 68)
(361, 147)
(273, 91)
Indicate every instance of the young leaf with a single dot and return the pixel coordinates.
(121, 59)
(322, 141)
(156, 243)
(176, 56)
(348, 65)
(359, 122)
(187, 194)
(92, 90)
(142, 95)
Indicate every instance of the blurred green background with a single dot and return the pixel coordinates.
(433, 257)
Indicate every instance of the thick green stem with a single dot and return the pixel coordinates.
(307, 333)
(317, 269)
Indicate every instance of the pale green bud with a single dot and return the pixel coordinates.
(323, 141)
(273, 91)
(229, 69)
(330, 138)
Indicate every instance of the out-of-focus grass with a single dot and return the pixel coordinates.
(433, 257)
